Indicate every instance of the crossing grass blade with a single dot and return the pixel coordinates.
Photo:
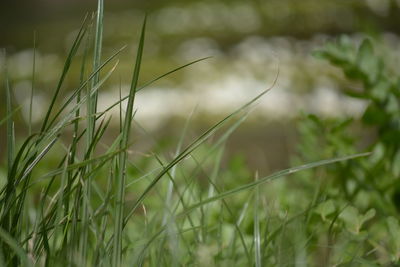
(14, 245)
(85, 83)
(9, 115)
(196, 143)
(273, 177)
(216, 190)
(65, 70)
(44, 138)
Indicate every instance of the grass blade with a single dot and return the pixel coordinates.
(120, 194)
(273, 177)
(190, 148)
(154, 80)
(13, 244)
(33, 83)
(9, 115)
(10, 128)
(65, 70)
(91, 125)
(257, 238)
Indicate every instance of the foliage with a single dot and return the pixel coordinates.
(360, 199)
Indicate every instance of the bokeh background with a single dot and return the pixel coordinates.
(249, 43)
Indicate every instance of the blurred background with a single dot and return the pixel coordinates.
(249, 43)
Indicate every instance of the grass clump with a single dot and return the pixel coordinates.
(65, 203)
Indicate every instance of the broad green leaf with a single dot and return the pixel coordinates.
(396, 164)
(353, 220)
(367, 62)
(377, 154)
(394, 231)
(325, 208)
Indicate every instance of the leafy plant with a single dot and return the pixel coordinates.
(361, 194)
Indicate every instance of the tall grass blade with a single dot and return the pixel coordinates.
(10, 127)
(32, 84)
(257, 235)
(6, 220)
(120, 187)
(91, 125)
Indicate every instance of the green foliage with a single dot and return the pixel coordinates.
(358, 196)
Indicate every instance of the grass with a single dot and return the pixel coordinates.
(65, 203)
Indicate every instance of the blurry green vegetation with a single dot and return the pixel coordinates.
(360, 199)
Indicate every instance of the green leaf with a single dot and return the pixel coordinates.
(396, 164)
(350, 218)
(325, 208)
(379, 91)
(378, 153)
(392, 105)
(394, 231)
(353, 220)
(369, 215)
(374, 115)
(367, 62)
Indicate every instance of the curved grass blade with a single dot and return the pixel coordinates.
(152, 81)
(83, 84)
(66, 120)
(190, 148)
(65, 70)
(170, 72)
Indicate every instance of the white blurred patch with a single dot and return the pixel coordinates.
(22, 93)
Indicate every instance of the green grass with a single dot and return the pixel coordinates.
(83, 201)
